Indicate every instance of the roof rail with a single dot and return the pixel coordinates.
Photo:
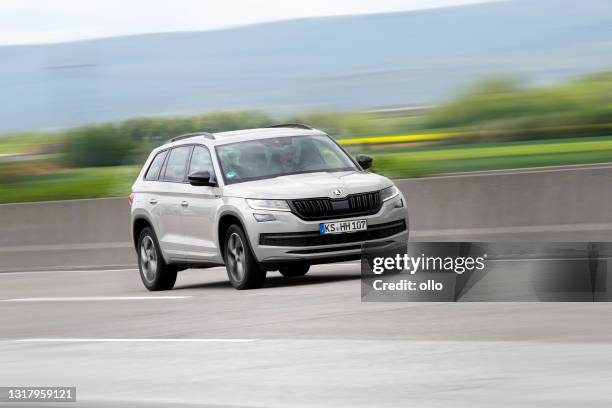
(291, 125)
(187, 135)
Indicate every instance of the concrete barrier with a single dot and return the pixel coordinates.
(94, 233)
(65, 235)
(65, 222)
(510, 199)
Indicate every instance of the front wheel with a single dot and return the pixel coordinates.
(154, 272)
(242, 268)
(294, 270)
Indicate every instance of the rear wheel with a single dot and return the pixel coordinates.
(294, 270)
(154, 272)
(242, 268)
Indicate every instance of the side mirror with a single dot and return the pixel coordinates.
(364, 161)
(201, 178)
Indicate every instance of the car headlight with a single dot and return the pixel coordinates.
(388, 193)
(271, 205)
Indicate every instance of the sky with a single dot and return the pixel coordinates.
(49, 21)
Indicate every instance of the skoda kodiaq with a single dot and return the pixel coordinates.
(279, 198)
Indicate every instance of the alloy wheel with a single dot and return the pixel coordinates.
(236, 258)
(148, 258)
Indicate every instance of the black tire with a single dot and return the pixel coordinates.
(294, 270)
(154, 272)
(242, 268)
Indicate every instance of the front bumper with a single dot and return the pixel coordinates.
(290, 238)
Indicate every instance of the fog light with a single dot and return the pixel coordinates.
(399, 203)
(264, 217)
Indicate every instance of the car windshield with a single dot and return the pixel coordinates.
(273, 157)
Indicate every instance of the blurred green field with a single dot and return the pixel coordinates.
(21, 143)
(70, 184)
(420, 162)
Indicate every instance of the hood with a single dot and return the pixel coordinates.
(309, 185)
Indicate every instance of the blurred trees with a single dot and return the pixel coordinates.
(131, 141)
(97, 145)
(497, 109)
(514, 111)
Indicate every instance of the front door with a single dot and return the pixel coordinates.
(199, 209)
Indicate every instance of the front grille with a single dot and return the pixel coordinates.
(300, 239)
(312, 209)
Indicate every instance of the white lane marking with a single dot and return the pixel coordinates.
(124, 340)
(514, 230)
(92, 298)
(67, 271)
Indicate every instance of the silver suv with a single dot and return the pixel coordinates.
(257, 200)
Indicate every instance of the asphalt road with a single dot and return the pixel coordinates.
(306, 341)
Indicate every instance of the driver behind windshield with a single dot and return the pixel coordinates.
(269, 158)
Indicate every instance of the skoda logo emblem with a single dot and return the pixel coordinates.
(337, 193)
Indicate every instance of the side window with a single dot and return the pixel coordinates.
(177, 164)
(155, 166)
(201, 161)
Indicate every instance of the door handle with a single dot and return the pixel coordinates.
(153, 201)
(184, 203)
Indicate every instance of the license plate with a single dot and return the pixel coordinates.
(342, 227)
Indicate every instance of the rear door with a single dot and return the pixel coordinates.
(151, 189)
(169, 228)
